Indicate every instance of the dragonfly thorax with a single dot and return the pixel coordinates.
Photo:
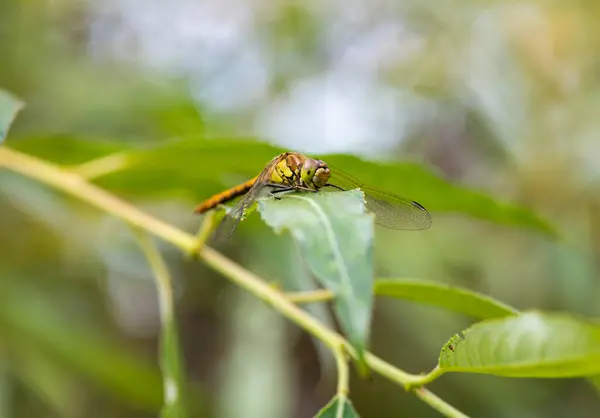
(298, 171)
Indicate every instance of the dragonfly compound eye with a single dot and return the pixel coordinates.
(321, 177)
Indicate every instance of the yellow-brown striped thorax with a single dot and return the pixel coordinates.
(288, 169)
(299, 171)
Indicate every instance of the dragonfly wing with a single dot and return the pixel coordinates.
(396, 212)
(391, 211)
(227, 227)
(230, 222)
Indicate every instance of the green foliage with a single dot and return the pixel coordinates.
(335, 238)
(338, 408)
(444, 296)
(500, 94)
(332, 230)
(196, 168)
(73, 345)
(529, 345)
(437, 194)
(9, 107)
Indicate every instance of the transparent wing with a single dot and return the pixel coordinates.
(391, 211)
(227, 227)
(230, 222)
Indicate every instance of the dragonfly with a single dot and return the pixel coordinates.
(293, 171)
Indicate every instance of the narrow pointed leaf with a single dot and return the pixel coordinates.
(9, 107)
(335, 237)
(533, 344)
(179, 160)
(338, 408)
(439, 195)
(444, 296)
(198, 168)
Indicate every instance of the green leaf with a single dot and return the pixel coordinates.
(436, 194)
(338, 408)
(444, 296)
(197, 168)
(9, 107)
(207, 166)
(335, 237)
(529, 345)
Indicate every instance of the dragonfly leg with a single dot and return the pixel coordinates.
(280, 189)
(283, 187)
(306, 189)
(333, 185)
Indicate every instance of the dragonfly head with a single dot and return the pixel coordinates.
(315, 173)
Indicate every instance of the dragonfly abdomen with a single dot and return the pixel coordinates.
(224, 197)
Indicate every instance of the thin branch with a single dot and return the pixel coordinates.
(170, 354)
(101, 166)
(343, 387)
(438, 404)
(74, 185)
(206, 228)
(343, 384)
(310, 296)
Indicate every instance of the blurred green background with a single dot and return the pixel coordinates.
(499, 96)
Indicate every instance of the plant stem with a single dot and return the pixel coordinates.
(438, 404)
(170, 355)
(74, 185)
(310, 296)
(161, 274)
(385, 369)
(343, 387)
(203, 234)
(101, 166)
(424, 379)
